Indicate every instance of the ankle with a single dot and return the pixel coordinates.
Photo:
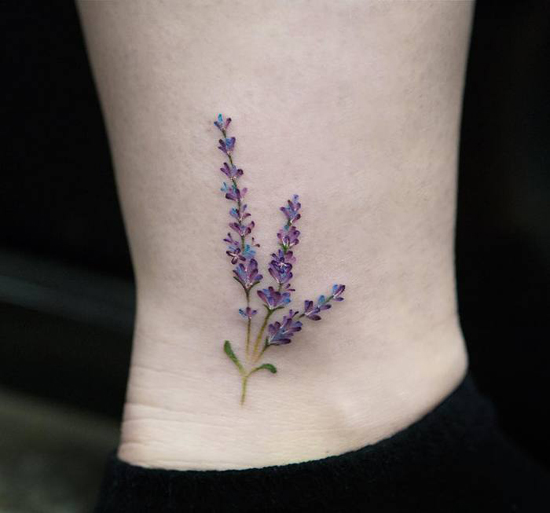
(183, 412)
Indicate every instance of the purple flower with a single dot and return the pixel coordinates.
(273, 298)
(246, 273)
(291, 209)
(286, 288)
(227, 145)
(248, 252)
(242, 229)
(239, 213)
(234, 249)
(337, 291)
(221, 123)
(288, 236)
(312, 311)
(235, 255)
(241, 252)
(248, 313)
(232, 244)
(281, 333)
(232, 192)
(281, 265)
(231, 171)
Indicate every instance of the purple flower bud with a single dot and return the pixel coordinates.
(234, 249)
(286, 288)
(239, 213)
(291, 209)
(231, 171)
(235, 255)
(232, 192)
(312, 311)
(337, 291)
(288, 236)
(227, 145)
(221, 123)
(232, 244)
(242, 229)
(246, 273)
(284, 258)
(273, 298)
(281, 265)
(280, 333)
(248, 313)
(248, 252)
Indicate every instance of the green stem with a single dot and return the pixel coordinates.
(248, 336)
(261, 332)
(243, 391)
(260, 355)
(262, 329)
(248, 324)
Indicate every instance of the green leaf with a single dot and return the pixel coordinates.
(266, 366)
(229, 352)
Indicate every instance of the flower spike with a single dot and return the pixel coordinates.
(241, 251)
(221, 123)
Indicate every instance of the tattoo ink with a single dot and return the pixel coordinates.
(241, 251)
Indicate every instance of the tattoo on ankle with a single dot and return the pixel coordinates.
(241, 252)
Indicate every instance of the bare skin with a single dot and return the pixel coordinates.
(354, 105)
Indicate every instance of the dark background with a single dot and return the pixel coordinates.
(66, 293)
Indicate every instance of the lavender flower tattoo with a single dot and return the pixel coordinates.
(241, 252)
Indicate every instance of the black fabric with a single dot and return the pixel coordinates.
(455, 459)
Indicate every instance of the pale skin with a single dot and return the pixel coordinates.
(353, 105)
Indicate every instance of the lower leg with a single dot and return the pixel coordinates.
(356, 107)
